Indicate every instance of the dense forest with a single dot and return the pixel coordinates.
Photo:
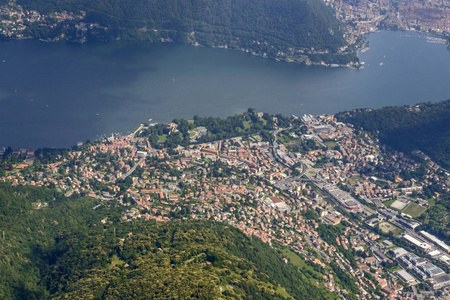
(276, 29)
(424, 127)
(57, 247)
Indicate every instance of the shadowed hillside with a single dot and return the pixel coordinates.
(278, 29)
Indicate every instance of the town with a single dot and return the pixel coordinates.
(359, 18)
(18, 23)
(329, 193)
(362, 17)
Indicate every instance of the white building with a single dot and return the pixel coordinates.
(417, 243)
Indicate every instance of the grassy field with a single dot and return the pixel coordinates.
(264, 121)
(282, 292)
(354, 179)
(251, 186)
(299, 262)
(340, 226)
(115, 261)
(311, 172)
(330, 144)
(388, 203)
(284, 139)
(414, 210)
(192, 133)
(294, 258)
(297, 142)
(246, 124)
(393, 269)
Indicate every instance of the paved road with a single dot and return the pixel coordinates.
(276, 145)
(137, 129)
(133, 168)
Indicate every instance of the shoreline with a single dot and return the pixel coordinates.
(303, 59)
(137, 120)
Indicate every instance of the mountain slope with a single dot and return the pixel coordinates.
(271, 28)
(424, 127)
(64, 250)
(166, 261)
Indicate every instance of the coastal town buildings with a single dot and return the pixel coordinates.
(318, 195)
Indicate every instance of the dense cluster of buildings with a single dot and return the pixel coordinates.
(261, 187)
(14, 20)
(421, 267)
(362, 17)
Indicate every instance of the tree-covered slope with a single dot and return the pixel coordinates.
(176, 260)
(65, 251)
(262, 26)
(29, 232)
(424, 127)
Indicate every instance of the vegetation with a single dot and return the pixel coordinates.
(414, 210)
(423, 127)
(29, 231)
(245, 124)
(70, 250)
(264, 27)
(436, 219)
(329, 233)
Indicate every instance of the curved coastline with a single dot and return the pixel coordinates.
(127, 83)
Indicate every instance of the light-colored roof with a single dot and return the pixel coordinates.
(405, 275)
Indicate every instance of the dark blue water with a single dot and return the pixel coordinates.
(57, 94)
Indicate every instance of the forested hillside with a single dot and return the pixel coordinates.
(424, 127)
(29, 232)
(57, 247)
(282, 28)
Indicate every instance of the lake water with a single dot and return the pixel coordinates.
(57, 94)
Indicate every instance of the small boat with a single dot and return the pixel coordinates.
(381, 64)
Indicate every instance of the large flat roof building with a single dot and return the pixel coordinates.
(397, 252)
(405, 276)
(417, 243)
(431, 270)
(440, 281)
(435, 240)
